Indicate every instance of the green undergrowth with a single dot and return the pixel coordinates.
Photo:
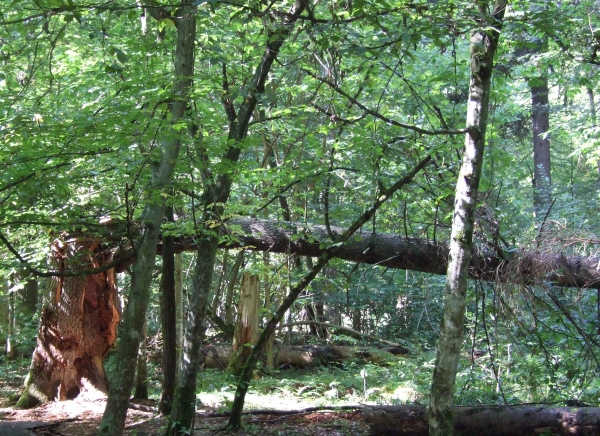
(12, 377)
(524, 378)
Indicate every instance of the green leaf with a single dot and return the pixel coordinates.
(122, 57)
(166, 23)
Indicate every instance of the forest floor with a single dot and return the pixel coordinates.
(296, 405)
(81, 417)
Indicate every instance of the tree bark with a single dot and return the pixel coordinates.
(540, 116)
(168, 322)
(396, 252)
(78, 326)
(246, 328)
(307, 356)
(113, 421)
(484, 41)
(178, 311)
(490, 420)
(229, 312)
(141, 374)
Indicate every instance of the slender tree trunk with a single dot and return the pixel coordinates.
(168, 321)
(184, 402)
(4, 315)
(231, 288)
(10, 328)
(484, 41)
(540, 116)
(141, 373)
(216, 301)
(29, 293)
(178, 311)
(270, 345)
(113, 420)
(590, 93)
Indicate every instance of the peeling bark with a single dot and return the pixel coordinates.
(246, 328)
(78, 326)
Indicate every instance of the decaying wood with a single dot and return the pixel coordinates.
(386, 250)
(246, 328)
(411, 419)
(75, 333)
(306, 356)
(490, 421)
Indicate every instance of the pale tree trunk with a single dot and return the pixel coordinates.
(484, 41)
(113, 420)
(4, 316)
(78, 325)
(246, 327)
(11, 326)
(178, 311)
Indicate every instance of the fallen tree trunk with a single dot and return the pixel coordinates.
(411, 254)
(308, 356)
(411, 420)
(490, 420)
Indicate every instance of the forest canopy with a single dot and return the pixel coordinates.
(276, 137)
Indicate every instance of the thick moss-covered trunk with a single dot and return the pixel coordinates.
(78, 325)
(484, 41)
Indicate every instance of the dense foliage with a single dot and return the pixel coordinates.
(360, 92)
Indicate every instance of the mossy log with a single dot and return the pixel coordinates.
(490, 421)
(307, 356)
